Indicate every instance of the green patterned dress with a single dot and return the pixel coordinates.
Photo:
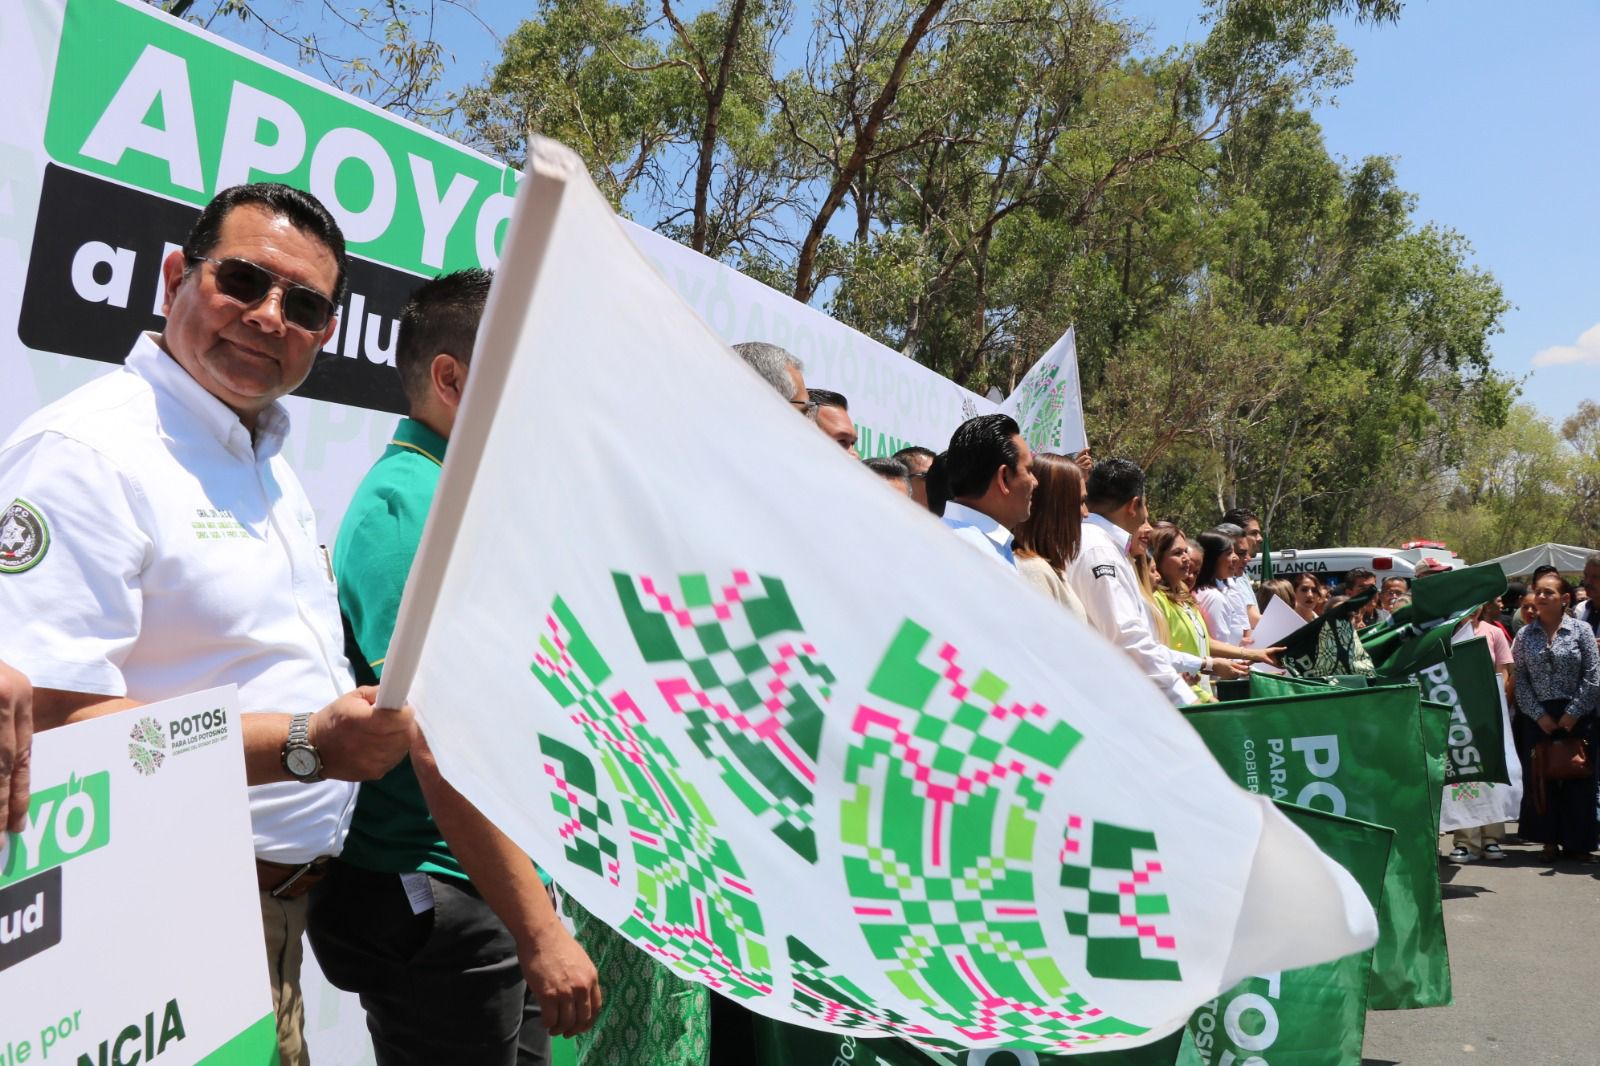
(651, 1017)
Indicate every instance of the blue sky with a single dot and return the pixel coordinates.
(1490, 111)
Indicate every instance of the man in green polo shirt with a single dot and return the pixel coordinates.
(454, 948)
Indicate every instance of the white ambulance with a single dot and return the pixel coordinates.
(1332, 564)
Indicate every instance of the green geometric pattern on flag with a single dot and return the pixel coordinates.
(1121, 915)
(586, 818)
(1375, 754)
(1314, 1016)
(1042, 396)
(938, 833)
(833, 998)
(693, 907)
(749, 684)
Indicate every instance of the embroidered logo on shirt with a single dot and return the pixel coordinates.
(212, 524)
(24, 537)
(1105, 570)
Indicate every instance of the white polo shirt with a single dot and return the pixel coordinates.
(176, 555)
(1104, 580)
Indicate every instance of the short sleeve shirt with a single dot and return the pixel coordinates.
(1499, 646)
(392, 830)
(158, 550)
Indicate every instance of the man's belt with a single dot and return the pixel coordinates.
(285, 881)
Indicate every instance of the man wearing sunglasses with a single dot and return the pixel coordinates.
(163, 545)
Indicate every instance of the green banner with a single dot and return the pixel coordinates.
(1418, 635)
(154, 105)
(1328, 644)
(1468, 685)
(1262, 686)
(1315, 1016)
(64, 822)
(1358, 753)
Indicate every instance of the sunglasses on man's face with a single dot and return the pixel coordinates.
(249, 284)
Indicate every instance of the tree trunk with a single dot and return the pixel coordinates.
(805, 281)
(708, 132)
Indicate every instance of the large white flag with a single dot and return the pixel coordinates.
(783, 730)
(1048, 402)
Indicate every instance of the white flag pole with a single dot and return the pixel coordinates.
(532, 222)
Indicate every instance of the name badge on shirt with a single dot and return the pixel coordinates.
(1105, 570)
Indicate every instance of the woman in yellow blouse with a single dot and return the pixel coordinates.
(1173, 597)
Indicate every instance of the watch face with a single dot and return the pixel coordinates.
(302, 762)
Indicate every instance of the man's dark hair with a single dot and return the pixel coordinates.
(304, 211)
(887, 468)
(442, 315)
(904, 454)
(937, 482)
(1358, 573)
(978, 448)
(1241, 517)
(828, 398)
(1113, 482)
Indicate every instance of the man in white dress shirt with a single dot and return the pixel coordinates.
(1105, 581)
(167, 547)
(991, 482)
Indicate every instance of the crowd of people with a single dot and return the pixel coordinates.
(1184, 611)
(159, 543)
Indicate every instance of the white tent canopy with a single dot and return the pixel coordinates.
(1564, 557)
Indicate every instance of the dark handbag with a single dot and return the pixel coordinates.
(1566, 759)
(1556, 759)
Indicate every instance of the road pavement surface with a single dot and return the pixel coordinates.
(1525, 964)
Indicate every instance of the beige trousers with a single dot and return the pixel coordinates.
(284, 923)
(1475, 838)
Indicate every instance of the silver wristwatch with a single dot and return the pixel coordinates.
(300, 758)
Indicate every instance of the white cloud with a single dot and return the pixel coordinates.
(1587, 350)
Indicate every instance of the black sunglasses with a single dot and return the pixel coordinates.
(248, 283)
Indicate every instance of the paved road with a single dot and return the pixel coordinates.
(1521, 934)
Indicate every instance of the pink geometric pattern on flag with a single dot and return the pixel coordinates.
(732, 658)
(950, 772)
(693, 907)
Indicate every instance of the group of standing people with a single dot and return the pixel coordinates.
(1555, 690)
(1080, 531)
(158, 543)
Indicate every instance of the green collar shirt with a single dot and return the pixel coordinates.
(391, 830)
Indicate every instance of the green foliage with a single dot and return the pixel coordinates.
(1258, 321)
